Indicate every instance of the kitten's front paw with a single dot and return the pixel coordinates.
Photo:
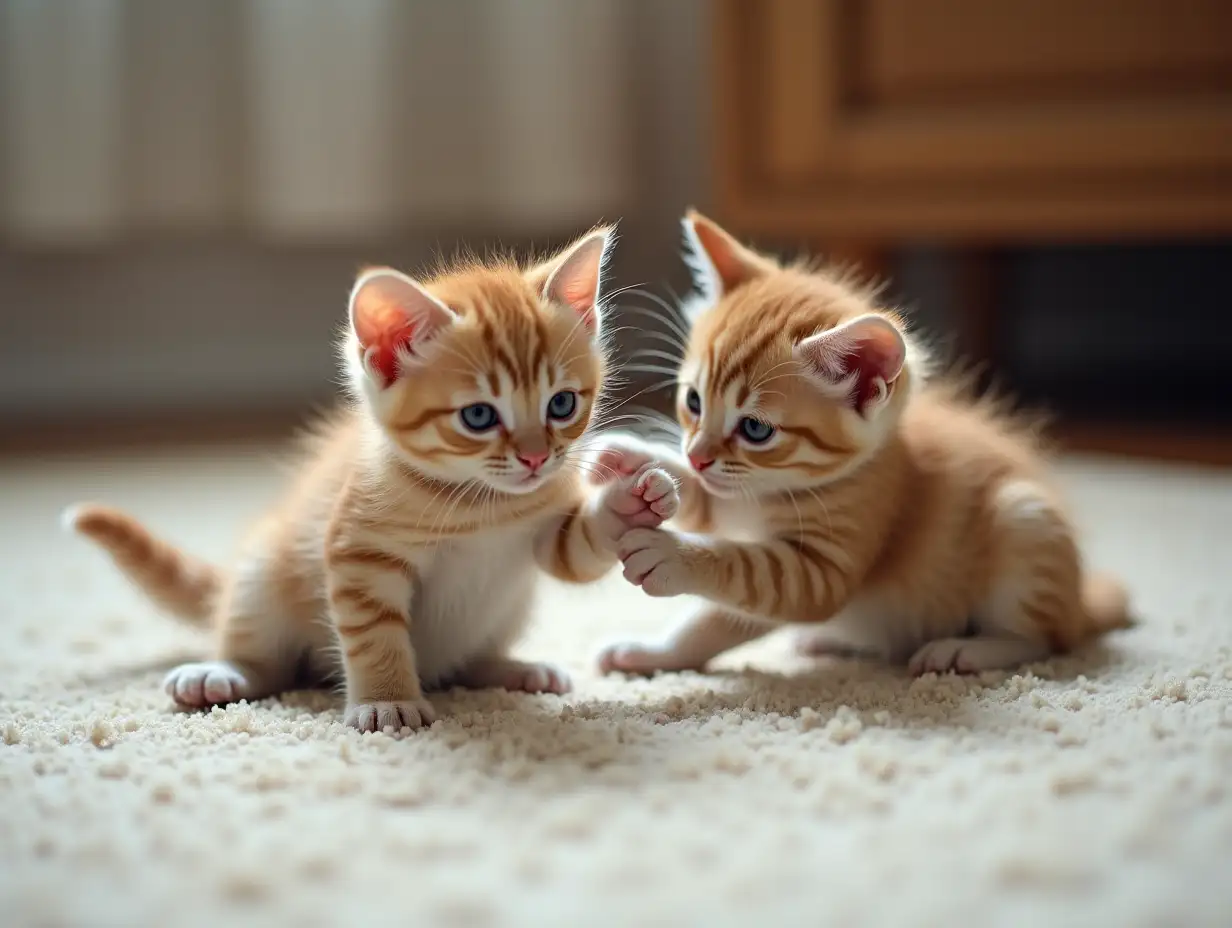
(646, 500)
(656, 560)
(381, 716)
(620, 456)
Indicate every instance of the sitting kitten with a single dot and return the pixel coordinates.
(835, 485)
(404, 554)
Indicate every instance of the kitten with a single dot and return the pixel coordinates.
(835, 484)
(404, 555)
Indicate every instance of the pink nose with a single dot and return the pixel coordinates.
(532, 460)
(700, 461)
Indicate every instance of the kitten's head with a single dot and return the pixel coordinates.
(792, 376)
(488, 372)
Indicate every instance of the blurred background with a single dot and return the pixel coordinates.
(187, 188)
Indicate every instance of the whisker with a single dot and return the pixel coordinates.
(631, 288)
(652, 369)
(654, 353)
(658, 336)
(667, 318)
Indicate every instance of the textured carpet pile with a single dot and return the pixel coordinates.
(1091, 789)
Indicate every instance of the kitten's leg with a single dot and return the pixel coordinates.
(700, 638)
(828, 642)
(803, 577)
(369, 595)
(260, 644)
(580, 545)
(505, 673)
(1034, 595)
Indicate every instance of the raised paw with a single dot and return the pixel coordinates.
(391, 716)
(657, 560)
(646, 500)
(643, 659)
(620, 456)
(516, 676)
(208, 683)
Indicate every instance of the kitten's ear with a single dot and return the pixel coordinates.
(719, 263)
(574, 277)
(393, 318)
(856, 361)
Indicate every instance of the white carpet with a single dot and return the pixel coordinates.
(1094, 790)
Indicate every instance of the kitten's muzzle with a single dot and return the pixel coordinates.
(532, 460)
(700, 460)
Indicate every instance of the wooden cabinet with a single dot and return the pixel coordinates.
(976, 119)
(862, 124)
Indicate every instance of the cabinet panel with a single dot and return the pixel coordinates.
(997, 50)
(902, 112)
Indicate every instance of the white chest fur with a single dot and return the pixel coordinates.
(739, 519)
(472, 599)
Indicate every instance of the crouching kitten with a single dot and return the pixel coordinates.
(403, 557)
(826, 479)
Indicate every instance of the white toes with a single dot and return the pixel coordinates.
(640, 659)
(660, 493)
(208, 683)
(544, 678)
(973, 655)
(517, 677)
(935, 656)
(391, 716)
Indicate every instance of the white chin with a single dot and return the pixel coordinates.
(519, 487)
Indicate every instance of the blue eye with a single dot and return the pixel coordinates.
(694, 401)
(562, 405)
(755, 430)
(479, 417)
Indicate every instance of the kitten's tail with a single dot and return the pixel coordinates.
(1105, 602)
(181, 584)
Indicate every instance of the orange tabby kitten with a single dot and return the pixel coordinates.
(833, 483)
(404, 555)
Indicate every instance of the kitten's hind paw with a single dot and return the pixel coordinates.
(395, 716)
(824, 643)
(516, 676)
(973, 655)
(643, 659)
(209, 683)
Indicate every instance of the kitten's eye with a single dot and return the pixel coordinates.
(694, 401)
(479, 417)
(562, 405)
(755, 430)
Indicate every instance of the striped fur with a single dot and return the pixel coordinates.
(918, 525)
(415, 534)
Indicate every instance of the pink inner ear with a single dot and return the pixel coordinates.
(865, 351)
(391, 315)
(575, 282)
(867, 371)
(382, 331)
(581, 295)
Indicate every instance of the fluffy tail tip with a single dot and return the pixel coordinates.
(1107, 603)
(70, 518)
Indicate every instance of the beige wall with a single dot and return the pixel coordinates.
(183, 204)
